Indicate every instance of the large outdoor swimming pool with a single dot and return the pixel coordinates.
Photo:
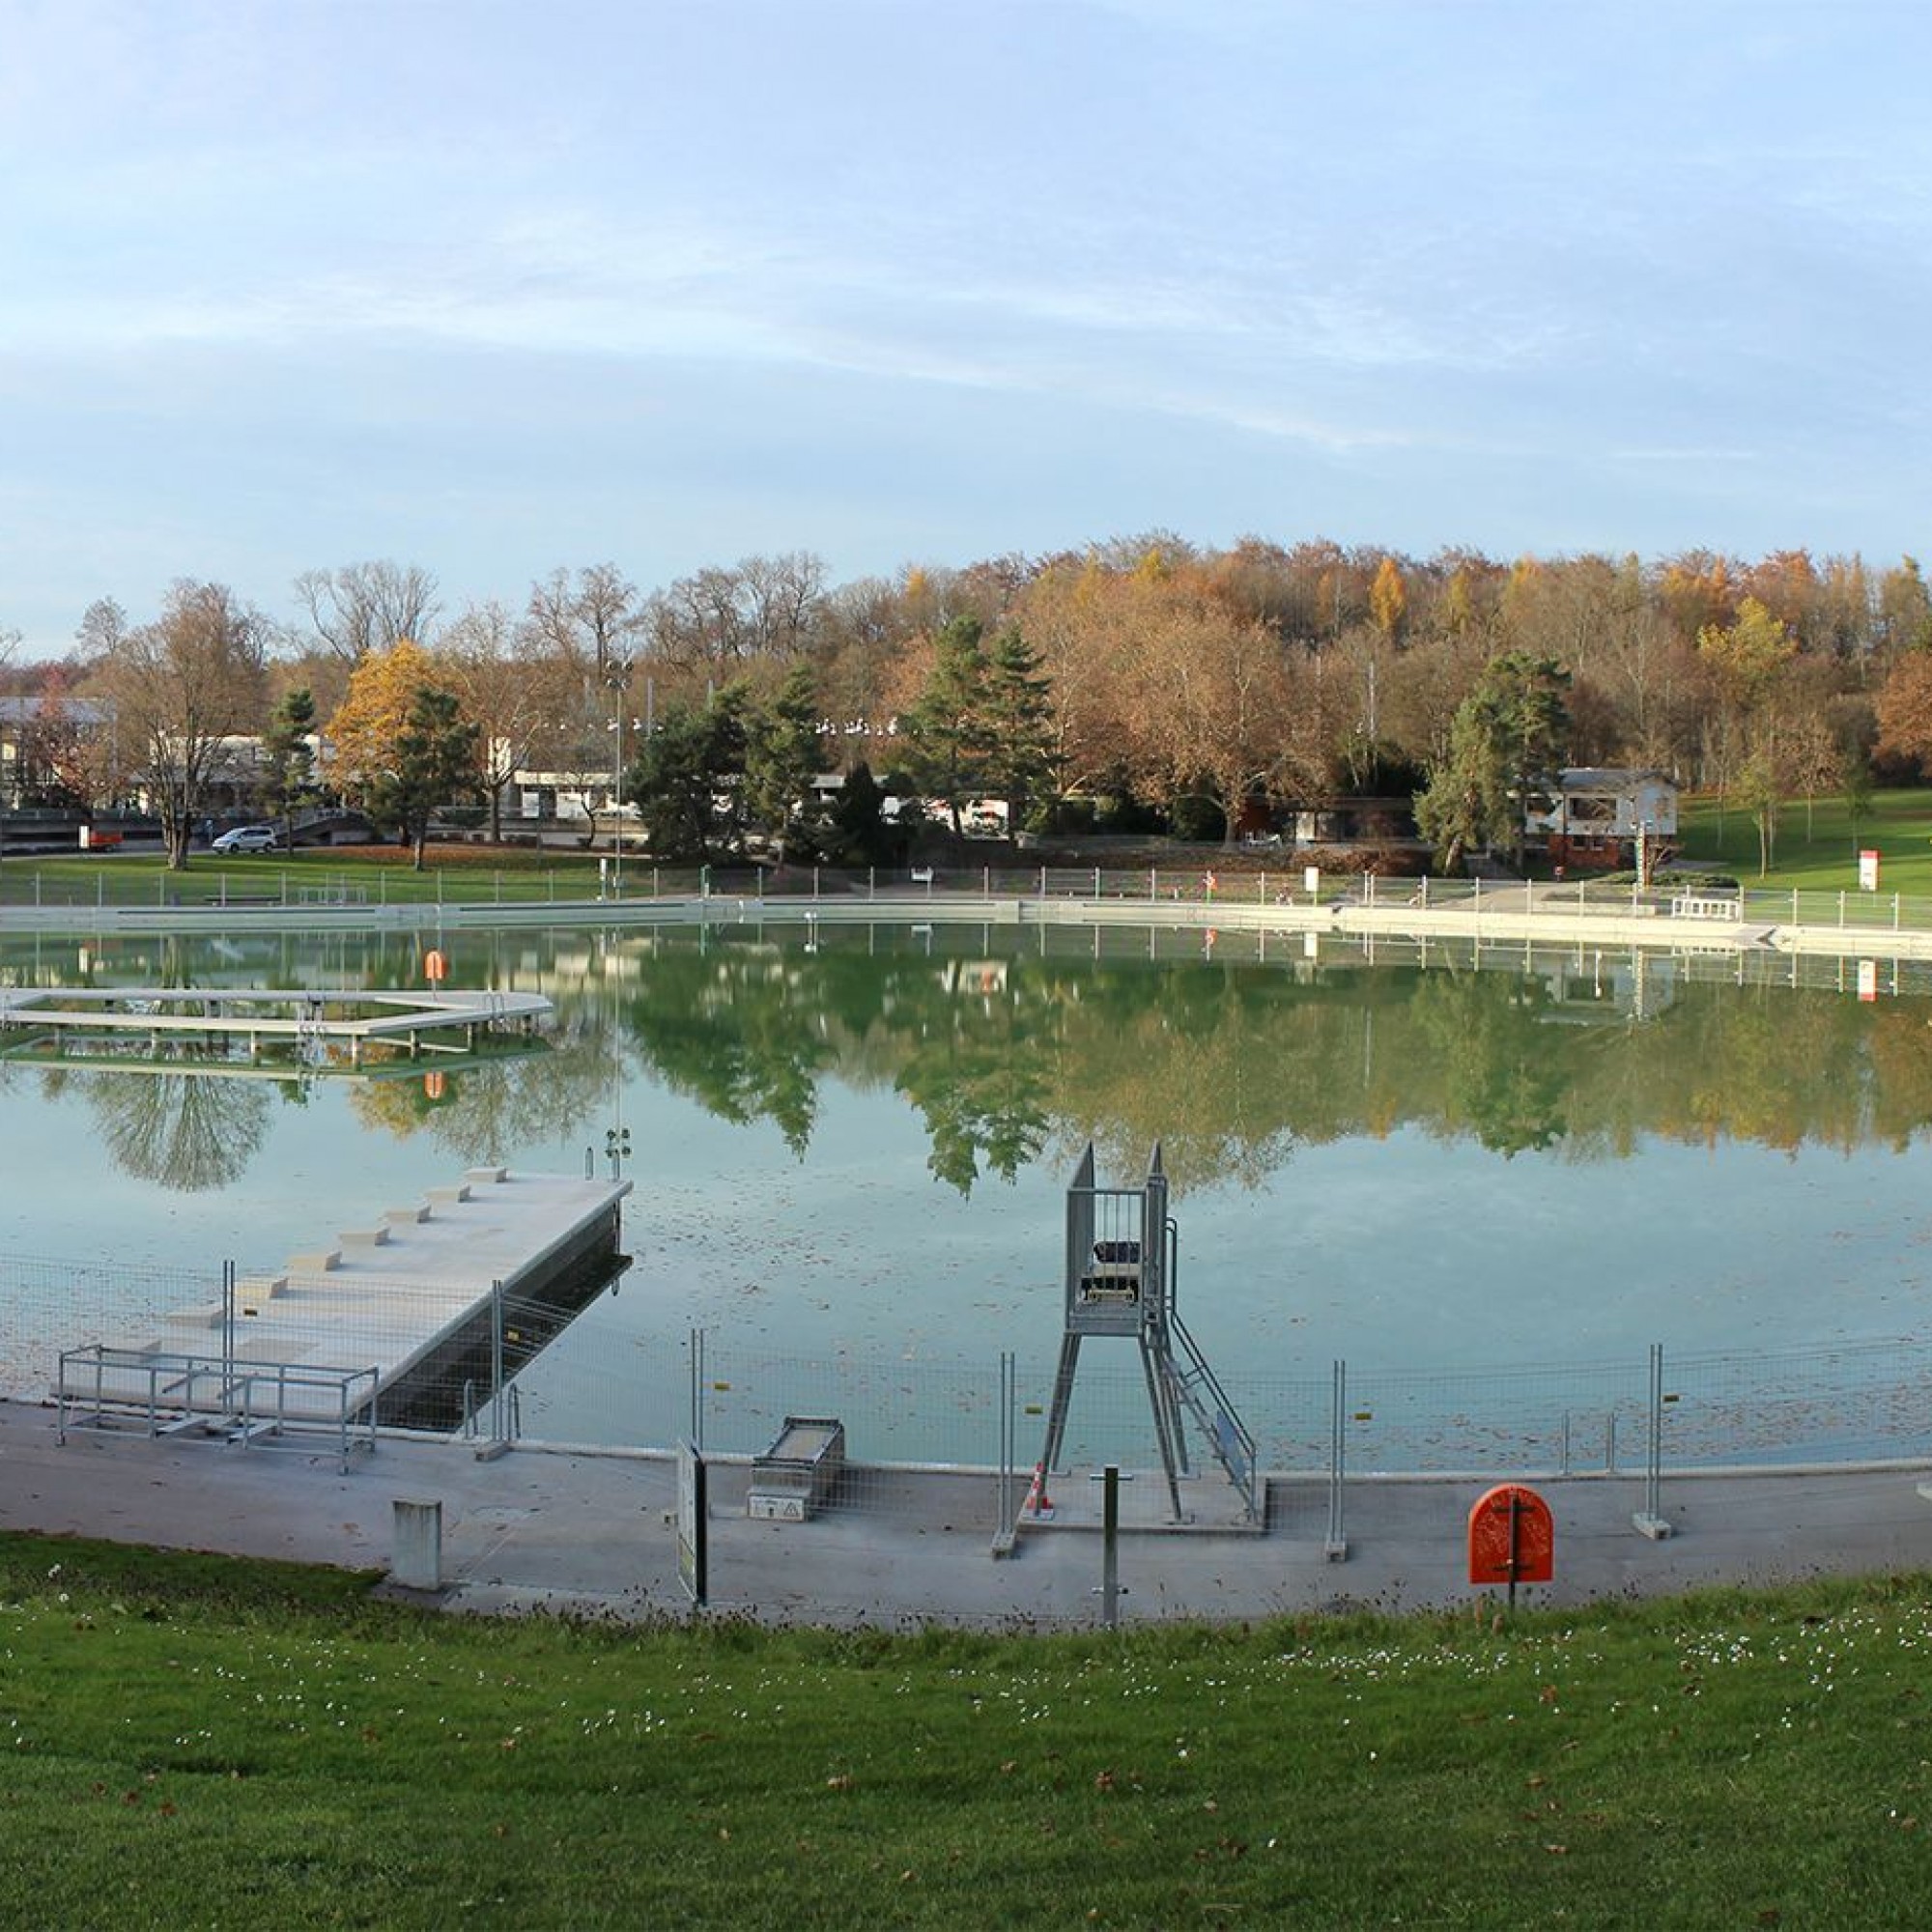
(854, 1142)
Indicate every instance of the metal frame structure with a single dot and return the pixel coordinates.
(1122, 1262)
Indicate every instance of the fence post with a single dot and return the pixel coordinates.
(1650, 1520)
(1335, 1549)
(227, 1328)
(498, 1441)
(696, 1352)
(1110, 1545)
(1005, 1529)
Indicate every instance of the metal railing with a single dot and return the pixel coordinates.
(96, 1386)
(572, 885)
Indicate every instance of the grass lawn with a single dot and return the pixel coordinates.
(1818, 847)
(376, 873)
(193, 1740)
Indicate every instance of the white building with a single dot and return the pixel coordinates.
(1599, 813)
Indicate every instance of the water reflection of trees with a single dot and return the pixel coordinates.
(186, 1131)
(480, 1112)
(1231, 1068)
(1006, 1061)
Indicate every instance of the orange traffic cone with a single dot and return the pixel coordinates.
(1037, 1507)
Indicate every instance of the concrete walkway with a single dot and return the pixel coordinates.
(592, 1534)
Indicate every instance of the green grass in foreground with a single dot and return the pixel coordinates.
(195, 1741)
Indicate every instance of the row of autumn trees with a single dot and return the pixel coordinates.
(1145, 675)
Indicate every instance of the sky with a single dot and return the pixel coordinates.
(494, 289)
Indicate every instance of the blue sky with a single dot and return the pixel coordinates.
(492, 289)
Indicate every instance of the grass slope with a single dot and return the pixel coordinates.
(191, 1740)
(1818, 843)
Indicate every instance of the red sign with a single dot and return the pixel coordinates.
(1512, 1536)
(1868, 872)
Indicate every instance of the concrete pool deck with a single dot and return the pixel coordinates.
(591, 1534)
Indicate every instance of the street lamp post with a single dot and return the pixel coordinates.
(616, 675)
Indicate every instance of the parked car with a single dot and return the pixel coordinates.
(250, 838)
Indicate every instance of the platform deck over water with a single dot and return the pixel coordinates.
(384, 1297)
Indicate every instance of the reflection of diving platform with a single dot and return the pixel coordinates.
(411, 1320)
(314, 1027)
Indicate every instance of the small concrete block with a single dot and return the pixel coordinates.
(406, 1217)
(486, 1177)
(325, 1260)
(1335, 1551)
(365, 1237)
(448, 1196)
(202, 1315)
(417, 1561)
(1656, 1527)
(262, 1287)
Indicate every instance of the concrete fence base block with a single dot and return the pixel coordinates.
(417, 1561)
(1656, 1527)
(1335, 1552)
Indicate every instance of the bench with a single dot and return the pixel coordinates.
(1115, 1273)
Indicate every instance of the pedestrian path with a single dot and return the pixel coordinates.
(593, 1534)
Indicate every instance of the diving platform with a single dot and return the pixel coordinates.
(415, 1318)
(320, 1029)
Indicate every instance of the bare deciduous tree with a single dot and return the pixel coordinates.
(369, 607)
(181, 686)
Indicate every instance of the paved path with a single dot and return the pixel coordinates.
(591, 1533)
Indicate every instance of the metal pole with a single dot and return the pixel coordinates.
(1650, 1520)
(496, 1360)
(1009, 1422)
(1336, 1547)
(1516, 1540)
(1654, 1474)
(697, 1388)
(1110, 1545)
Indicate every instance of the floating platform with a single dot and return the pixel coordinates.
(321, 1030)
(393, 1321)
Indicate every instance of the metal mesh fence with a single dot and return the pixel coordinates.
(47, 1305)
(507, 1368)
(313, 881)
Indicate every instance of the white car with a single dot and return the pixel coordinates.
(249, 839)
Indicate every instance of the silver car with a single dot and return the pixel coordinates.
(249, 839)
